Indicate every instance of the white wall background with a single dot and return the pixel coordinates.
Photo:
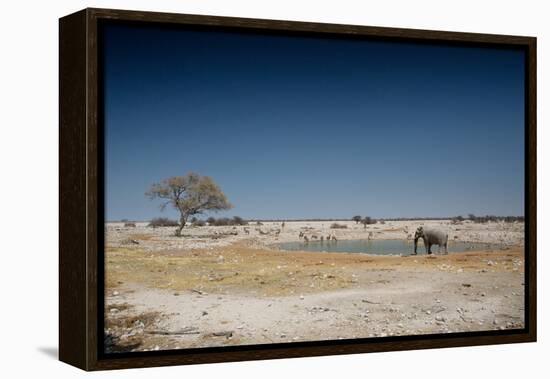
(29, 182)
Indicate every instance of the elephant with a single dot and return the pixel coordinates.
(431, 237)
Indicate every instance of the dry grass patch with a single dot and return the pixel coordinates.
(243, 269)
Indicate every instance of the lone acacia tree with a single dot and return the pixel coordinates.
(191, 195)
(356, 219)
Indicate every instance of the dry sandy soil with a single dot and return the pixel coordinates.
(219, 286)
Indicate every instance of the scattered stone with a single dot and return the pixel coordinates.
(115, 293)
(184, 331)
(226, 334)
(369, 302)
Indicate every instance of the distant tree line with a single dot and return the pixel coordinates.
(489, 218)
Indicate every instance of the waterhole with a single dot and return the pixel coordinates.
(381, 247)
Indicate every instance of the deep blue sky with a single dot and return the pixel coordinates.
(304, 128)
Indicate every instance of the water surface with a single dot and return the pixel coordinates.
(380, 247)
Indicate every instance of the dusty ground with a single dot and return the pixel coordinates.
(214, 288)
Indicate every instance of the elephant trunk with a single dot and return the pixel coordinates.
(415, 244)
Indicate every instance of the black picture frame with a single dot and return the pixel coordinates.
(81, 193)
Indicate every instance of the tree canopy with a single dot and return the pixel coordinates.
(191, 195)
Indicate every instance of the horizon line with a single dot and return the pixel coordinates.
(331, 219)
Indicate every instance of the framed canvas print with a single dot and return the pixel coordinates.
(238, 189)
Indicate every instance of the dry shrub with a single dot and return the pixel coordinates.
(161, 222)
(338, 226)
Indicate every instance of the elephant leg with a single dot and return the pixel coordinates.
(446, 252)
(429, 248)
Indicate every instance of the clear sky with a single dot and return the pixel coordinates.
(313, 128)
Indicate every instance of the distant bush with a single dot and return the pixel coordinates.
(457, 219)
(338, 226)
(514, 219)
(357, 219)
(383, 222)
(162, 221)
(224, 221)
(129, 224)
(239, 221)
(198, 222)
(368, 221)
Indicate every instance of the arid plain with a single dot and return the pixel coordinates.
(233, 285)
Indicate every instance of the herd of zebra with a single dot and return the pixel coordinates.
(330, 237)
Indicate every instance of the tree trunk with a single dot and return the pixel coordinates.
(183, 221)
